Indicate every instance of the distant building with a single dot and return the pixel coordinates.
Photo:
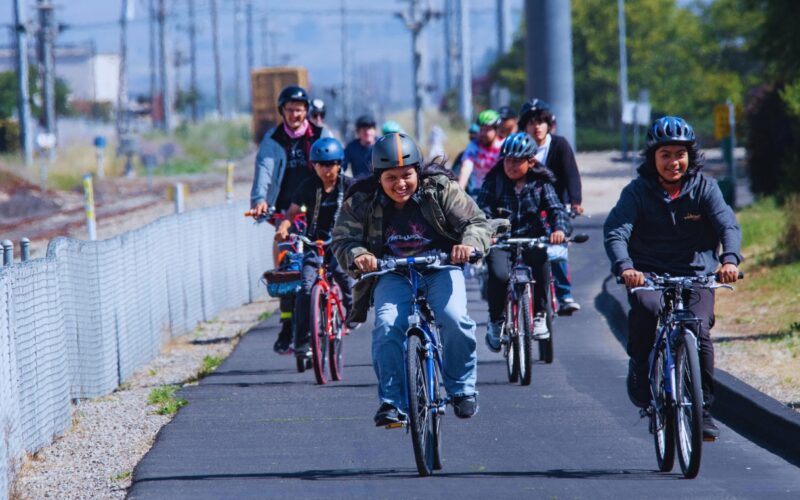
(90, 76)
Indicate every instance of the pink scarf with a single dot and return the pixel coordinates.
(294, 134)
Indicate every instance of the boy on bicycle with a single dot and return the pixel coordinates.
(406, 208)
(521, 190)
(322, 196)
(671, 219)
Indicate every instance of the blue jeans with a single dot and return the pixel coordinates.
(561, 277)
(447, 298)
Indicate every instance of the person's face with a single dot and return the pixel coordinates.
(327, 172)
(366, 135)
(538, 130)
(516, 168)
(317, 119)
(507, 127)
(487, 135)
(672, 162)
(294, 114)
(399, 183)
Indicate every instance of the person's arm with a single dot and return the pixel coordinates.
(572, 177)
(348, 239)
(466, 170)
(727, 229)
(262, 178)
(556, 214)
(617, 231)
(282, 231)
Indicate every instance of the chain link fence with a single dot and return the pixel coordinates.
(78, 322)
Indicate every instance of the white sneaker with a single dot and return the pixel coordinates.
(540, 331)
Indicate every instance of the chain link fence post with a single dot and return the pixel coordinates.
(8, 252)
(25, 249)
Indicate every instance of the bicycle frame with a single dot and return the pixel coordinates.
(324, 283)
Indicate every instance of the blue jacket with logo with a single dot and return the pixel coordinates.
(650, 232)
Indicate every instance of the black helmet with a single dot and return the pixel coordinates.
(326, 150)
(365, 121)
(293, 93)
(395, 150)
(669, 130)
(505, 113)
(529, 108)
(518, 145)
(317, 107)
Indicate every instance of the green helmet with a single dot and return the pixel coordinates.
(395, 150)
(488, 117)
(390, 127)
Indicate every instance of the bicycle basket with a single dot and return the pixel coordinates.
(286, 279)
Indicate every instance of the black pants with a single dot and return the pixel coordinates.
(643, 320)
(302, 305)
(500, 263)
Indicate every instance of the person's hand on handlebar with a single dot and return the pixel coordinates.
(632, 278)
(259, 210)
(461, 254)
(577, 209)
(557, 237)
(366, 263)
(282, 233)
(728, 273)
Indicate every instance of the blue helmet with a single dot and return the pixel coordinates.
(669, 130)
(518, 145)
(327, 149)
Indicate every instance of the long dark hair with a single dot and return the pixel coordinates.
(697, 160)
(371, 183)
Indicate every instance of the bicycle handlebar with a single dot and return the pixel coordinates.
(540, 242)
(439, 260)
(661, 282)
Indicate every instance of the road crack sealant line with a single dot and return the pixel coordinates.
(748, 411)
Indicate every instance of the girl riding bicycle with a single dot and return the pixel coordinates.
(671, 219)
(403, 209)
(322, 196)
(517, 189)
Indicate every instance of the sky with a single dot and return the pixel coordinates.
(306, 33)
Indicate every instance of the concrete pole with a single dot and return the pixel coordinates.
(46, 40)
(237, 57)
(448, 65)
(419, 83)
(24, 101)
(166, 91)
(465, 62)
(8, 252)
(623, 76)
(548, 60)
(25, 249)
(217, 71)
(193, 61)
(345, 100)
(264, 41)
(503, 27)
(122, 92)
(732, 172)
(153, 72)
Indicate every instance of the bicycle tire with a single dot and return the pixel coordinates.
(689, 409)
(419, 414)
(546, 345)
(437, 421)
(661, 424)
(525, 312)
(319, 340)
(512, 353)
(335, 344)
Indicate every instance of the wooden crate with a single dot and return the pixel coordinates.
(266, 84)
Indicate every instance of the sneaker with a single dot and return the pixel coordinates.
(352, 325)
(540, 331)
(493, 331)
(465, 406)
(388, 414)
(283, 347)
(302, 351)
(710, 429)
(638, 385)
(567, 306)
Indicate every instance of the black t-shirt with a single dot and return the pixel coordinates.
(406, 233)
(297, 171)
(306, 194)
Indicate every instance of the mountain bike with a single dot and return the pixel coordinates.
(676, 406)
(517, 331)
(327, 318)
(423, 366)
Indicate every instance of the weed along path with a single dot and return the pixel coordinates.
(255, 428)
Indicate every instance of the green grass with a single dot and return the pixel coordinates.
(210, 363)
(763, 223)
(598, 139)
(265, 315)
(122, 476)
(164, 397)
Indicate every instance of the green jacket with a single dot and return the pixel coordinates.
(359, 227)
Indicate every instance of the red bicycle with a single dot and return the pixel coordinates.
(327, 318)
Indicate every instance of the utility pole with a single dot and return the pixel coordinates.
(503, 27)
(237, 57)
(264, 41)
(465, 62)
(122, 91)
(24, 109)
(448, 75)
(251, 54)
(166, 91)
(345, 76)
(416, 19)
(46, 59)
(193, 61)
(623, 76)
(217, 72)
(152, 22)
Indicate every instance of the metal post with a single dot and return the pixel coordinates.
(25, 249)
(465, 62)
(217, 71)
(193, 56)
(153, 49)
(448, 65)
(8, 252)
(122, 92)
(237, 58)
(345, 76)
(166, 91)
(415, 20)
(46, 39)
(251, 55)
(178, 197)
(623, 76)
(88, 203)
(229, 182)
(548, 60)
(503, 27)
(732, 167)
(24, 101)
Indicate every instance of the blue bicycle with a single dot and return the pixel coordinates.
(423, 367)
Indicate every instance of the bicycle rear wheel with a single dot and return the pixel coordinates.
(546, 345)
(420, 417)
(525, 322)
(511, 335)
(689, 411)
(661, 424)
(319, 336)
(335, 343)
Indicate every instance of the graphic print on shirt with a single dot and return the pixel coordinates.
(296, 155)
(407, 243)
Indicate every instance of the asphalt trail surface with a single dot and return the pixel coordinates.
(256, 428)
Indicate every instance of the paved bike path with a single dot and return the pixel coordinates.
(257, 429)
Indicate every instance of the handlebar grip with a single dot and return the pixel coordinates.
(476, 256)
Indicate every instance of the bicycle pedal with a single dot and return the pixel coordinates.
(395, 425)
(709, 439)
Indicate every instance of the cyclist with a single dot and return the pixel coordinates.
(555, 153)
(322, 196)
(356, 154)
(406, 208)
(480, 156)
(281, 165)
(519, 188)
(671, 219)
(508, 122)
(316, 112)
(472, 134)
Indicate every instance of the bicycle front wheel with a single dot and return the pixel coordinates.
(525, 322)
(661, 425)
(319, 333)
(689, 411)
(336, 340)
(420, 416)
(511, 337)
